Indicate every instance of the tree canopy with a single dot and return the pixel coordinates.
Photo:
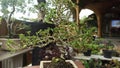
(9, 6)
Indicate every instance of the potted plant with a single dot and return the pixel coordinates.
(58, 63)
(92, 48)
(93, 63)
(95, 47)
(108, 49)
(87, 50)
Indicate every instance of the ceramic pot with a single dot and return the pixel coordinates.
(47, 62)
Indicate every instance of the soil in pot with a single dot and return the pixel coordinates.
(60, 65)
(107, 53)
(87, 53)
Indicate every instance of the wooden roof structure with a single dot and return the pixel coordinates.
(100, 7)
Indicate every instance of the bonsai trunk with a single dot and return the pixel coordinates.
(41, 13)
(9, 24)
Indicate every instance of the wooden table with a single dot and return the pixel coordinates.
(81, 56)
(12, 60)
(78, 63)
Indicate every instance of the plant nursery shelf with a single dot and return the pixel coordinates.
(81, 56)
(6, 54)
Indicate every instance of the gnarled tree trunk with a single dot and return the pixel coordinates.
(41, 13)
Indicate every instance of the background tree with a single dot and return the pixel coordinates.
(8, 9)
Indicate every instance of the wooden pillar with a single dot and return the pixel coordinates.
(0, 64)
(77, 12)
(99, 19)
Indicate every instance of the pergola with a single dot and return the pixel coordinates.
(100, 8)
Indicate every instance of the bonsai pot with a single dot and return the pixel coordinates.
(87, 53)
(107, 53)
(44, 64)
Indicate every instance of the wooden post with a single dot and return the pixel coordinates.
(0, 64)
(77, 12)
(99, 19)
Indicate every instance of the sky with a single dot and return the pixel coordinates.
(85, 12)
(28, 14)
(0, 12)
(18, 15)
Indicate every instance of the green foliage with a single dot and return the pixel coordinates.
(42, 38)
(65, 34)
(29, 41)
(83, 20)
(108, 45)
(92, 63)
(87, 41)
(41, 6)
(98, 63)
(59, 11)
(13, 45)
(7, 5)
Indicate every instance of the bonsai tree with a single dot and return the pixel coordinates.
(55, 15)
(108, 49)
